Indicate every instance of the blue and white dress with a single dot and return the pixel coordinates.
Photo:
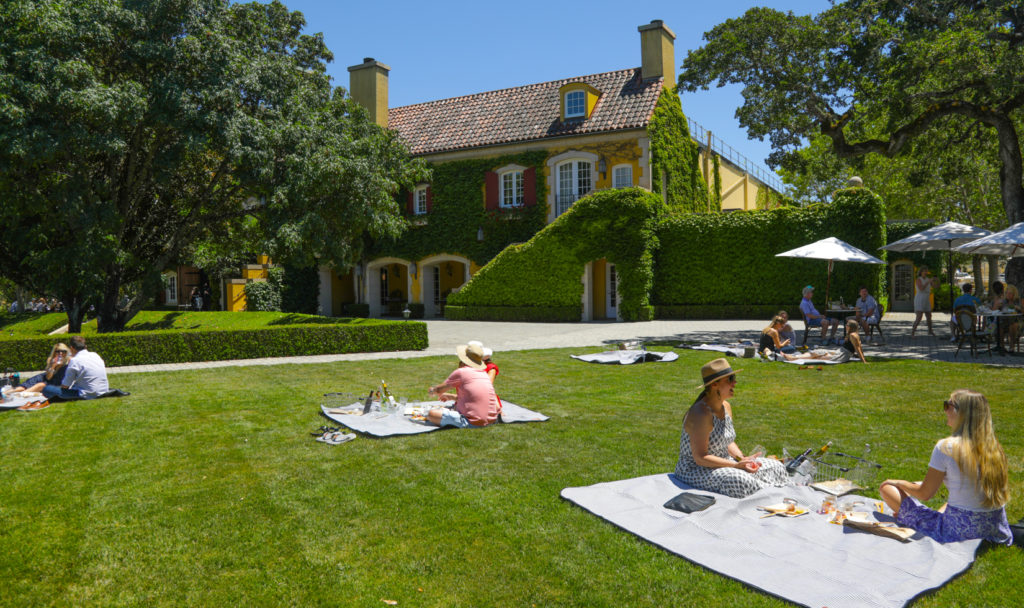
(731, 482)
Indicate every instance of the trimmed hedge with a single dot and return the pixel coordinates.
(540, 314)
(545, 272)
(723, 311)
(728, 260)
(154, 347)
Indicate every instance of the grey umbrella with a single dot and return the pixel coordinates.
(944, 237)
(1009, 242)
(830, 249)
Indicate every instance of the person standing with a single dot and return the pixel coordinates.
(85, 376)
(924, 284)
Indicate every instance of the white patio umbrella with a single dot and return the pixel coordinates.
(831, 249)
(944, 237)
(1009, 242)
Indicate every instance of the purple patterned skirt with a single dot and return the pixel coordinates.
(955, 524)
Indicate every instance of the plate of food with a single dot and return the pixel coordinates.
(787, 508)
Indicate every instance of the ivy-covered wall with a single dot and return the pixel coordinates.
(675, 157)
(708, 261)
(544, 273)
(457, 213)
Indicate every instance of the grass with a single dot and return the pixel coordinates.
(35, 324)
(205, 488)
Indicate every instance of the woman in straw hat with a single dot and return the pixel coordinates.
(476, 404)
(709, 458)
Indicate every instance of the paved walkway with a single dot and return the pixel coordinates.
(446, 335)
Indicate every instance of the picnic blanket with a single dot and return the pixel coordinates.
(15, 402)
(626, 357)
(386, 425)
(735, 350)
(801, 361)
(805, 559)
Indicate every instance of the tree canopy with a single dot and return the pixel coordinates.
(132, 131)
(874, 77)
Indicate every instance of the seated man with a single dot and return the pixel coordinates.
(476, 403)
(867, 310)
(967, 300)
(85, 378)
(815, 319)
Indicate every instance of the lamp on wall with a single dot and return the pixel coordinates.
(602, 166)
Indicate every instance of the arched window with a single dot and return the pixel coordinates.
(574, 180)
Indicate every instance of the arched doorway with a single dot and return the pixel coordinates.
(388, 286)
(441, 275)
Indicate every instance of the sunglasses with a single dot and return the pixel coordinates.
(732, 378)
(948, 404)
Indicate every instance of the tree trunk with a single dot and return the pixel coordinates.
(1011, 171)
(76, 314)
(979, 286)
(992, 261)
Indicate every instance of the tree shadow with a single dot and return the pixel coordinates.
(299, 319)
(166, 322)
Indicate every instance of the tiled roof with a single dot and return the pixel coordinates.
(524, 113)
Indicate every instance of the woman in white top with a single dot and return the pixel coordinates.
(972, 465)
(922, 298)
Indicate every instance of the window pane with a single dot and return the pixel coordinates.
(583, 178)
(575, 103)
(420, 206)
(622, 177)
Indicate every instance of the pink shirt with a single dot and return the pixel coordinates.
(476, 399)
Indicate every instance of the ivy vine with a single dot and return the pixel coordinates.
(675, 157)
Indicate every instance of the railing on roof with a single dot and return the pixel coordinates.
(700, 135)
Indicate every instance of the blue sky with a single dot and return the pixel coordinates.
(448, 48)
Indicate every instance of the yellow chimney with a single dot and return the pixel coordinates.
(657, 50)
(368, 85)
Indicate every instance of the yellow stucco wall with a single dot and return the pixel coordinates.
(342, 292)
(739, 191)
(235, 293)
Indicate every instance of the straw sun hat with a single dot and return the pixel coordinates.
(715, 370)
(471, 354)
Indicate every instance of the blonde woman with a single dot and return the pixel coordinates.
(56, 365)
(972, 465)
(924, 284)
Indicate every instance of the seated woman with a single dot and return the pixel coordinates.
(476, 404)
(972, 465)
(787, 332)
(1012, 302)
(53, 374)
(709, 458)
(771, 338)
(850, 347)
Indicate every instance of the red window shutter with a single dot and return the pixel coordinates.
(409, 203)
(491, 188)
(530, 187)
(430, 199)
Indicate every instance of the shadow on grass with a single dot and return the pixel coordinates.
(166, 322)
(300, 319)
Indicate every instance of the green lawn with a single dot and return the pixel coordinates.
(33, 324)
(205, 488)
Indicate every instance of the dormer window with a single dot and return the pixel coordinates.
(575, 104)
(578, 100)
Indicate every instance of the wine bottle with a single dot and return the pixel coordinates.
(794, 464)
(369, 403)
(822, 450)
(386, 393)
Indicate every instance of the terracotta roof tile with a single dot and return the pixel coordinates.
(525, 113)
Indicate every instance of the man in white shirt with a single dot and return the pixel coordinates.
(86, 375)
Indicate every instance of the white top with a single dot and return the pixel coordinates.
(962, 492)
(87, 373)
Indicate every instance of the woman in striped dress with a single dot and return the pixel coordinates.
(709, 458)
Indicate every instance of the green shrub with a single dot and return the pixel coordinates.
(539, 314)
(723, 311)
(417, 310)
(300, 290)
(154, 347)
(728, 260)
(545, 271)
(262, 296)
(675, 162)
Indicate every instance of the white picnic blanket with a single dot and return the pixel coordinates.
(779, 357)
(627, 357)
(805, 559)
(386, 425)
(16, 402)
(736, 350)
